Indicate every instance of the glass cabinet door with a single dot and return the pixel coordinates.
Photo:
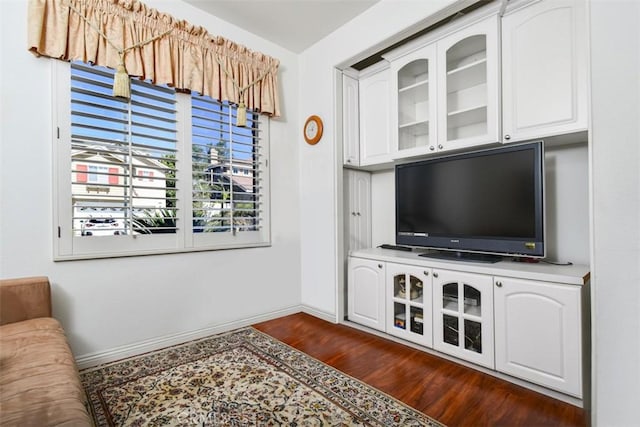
(415, 97)
(468, 83)
(409, 305)
(463, 315)
(413, 105)
(467, 88)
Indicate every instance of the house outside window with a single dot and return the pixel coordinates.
(158, 167)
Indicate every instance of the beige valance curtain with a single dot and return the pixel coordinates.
(167, 51)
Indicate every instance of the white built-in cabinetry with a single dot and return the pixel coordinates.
(468, 64)
(350, 120)
(366, 296)
(483, 79)
(520, 319)
(358, 209)
(445, 91)
(538, 332)
(409, 304)
(375, 115)
(463, 315)
(413, 101)
(544, 69)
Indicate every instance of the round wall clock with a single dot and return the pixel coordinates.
(313, 130)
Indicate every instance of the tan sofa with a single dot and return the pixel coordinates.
(39, 382)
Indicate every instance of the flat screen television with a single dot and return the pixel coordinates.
(481, 206)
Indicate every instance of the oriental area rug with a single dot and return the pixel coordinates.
(240, 378)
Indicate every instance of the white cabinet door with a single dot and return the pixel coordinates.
(538, 333)
(358, 209)
(365, 293)
(350, 121)
(375, 116)
(413, 102)
(544, 69)
(463, 316)
(409, 306)
(468, 86)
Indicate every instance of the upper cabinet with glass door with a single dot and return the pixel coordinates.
(413, 102)
(468, 81)
(444, 88)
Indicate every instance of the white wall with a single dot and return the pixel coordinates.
(319, 179)
(615, 158)
(105, 304)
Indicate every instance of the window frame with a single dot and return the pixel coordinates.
(67, 246)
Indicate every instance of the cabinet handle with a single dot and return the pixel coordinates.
(432, 148)
(426, 273)
(379, 265)
(353, 213)
(499, 284)
(358, 213)
(440, 146)
(507, 137)
(435, 274)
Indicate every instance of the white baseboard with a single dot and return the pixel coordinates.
(319, 314)
(117, 353)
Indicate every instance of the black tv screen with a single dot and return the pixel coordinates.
(489, 201)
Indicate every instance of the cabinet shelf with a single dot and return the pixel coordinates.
(468, 76)
(413, 105)
(467, 116)
(417, 125)
(413, 302)
(413, 135)
(467, 51)
(416, 301)
(413, 86)
(412, 74)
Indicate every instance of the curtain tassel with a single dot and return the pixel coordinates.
(121, 82)
(241, 120)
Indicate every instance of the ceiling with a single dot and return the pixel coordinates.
(292, 24)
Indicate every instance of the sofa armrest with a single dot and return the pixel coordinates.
(24, 298)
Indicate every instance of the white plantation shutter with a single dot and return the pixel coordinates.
(116, 144)
(162, 172)
(227, 169)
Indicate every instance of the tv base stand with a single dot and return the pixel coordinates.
(462, 256)
(519, 319)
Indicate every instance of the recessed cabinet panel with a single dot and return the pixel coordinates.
(357, 209)
(366, 293)
(531, 316)
(350, 121)
(409, 303)
(375, 116)
(544, 69)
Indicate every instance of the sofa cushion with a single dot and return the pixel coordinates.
(24, 298)
(39, 382)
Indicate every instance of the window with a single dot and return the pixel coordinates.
(152, 174)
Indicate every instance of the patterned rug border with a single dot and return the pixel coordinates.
(298, 365)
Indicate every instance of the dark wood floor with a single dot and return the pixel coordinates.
(453, 394)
